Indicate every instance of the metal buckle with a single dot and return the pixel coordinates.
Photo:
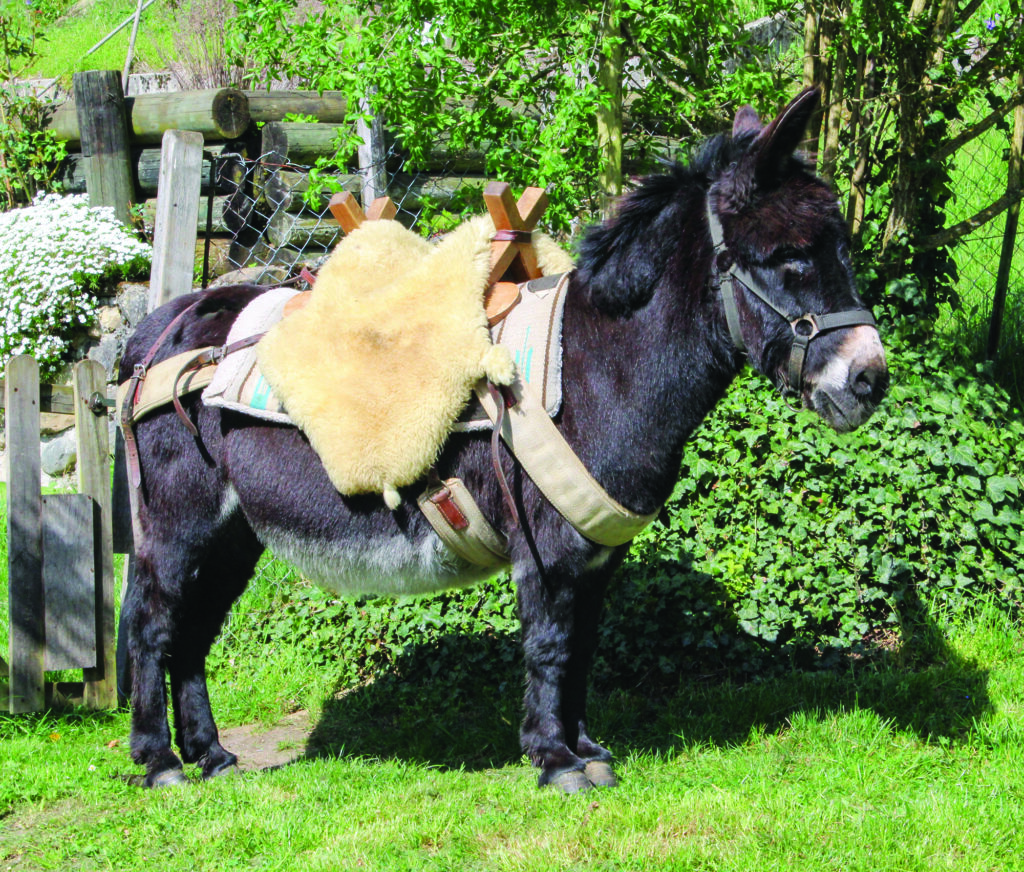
(812, 326)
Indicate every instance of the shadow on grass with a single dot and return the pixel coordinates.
(457, 704)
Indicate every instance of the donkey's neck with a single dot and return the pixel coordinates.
(636, 387)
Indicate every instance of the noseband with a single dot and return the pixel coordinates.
(805, 327)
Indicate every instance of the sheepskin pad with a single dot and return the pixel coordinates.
(376, 368)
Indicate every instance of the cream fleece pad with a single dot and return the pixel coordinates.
(376, 368)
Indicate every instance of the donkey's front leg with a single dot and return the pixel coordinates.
(559, 620)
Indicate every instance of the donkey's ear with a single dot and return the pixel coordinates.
(746, 121)
(777, 142)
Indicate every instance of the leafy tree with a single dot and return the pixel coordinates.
(896, 77)
(558, 93)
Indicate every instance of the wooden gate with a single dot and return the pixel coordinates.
(60, 557)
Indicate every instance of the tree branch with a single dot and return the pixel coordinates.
(652, 62)
(951, 146)
(952, 234)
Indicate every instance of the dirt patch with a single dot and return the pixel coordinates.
(260, 748)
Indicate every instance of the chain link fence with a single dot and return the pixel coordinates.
(270, 216)
(277, 218)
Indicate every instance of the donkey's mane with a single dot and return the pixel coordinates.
(622, 259)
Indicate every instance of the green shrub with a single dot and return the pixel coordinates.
(56, 254)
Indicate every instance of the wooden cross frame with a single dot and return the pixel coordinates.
(512, 257)
(349, 214)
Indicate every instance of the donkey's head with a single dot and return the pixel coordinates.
(782, 260)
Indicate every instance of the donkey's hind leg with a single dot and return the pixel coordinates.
(148, 616)
(217, 584)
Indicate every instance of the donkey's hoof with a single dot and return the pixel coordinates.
(166, 778)
(570, 781)
(600, 774)
(228, 767)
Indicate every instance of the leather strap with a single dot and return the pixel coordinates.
(726, 272)
(131, 448)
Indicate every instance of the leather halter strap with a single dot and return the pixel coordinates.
(805, 327)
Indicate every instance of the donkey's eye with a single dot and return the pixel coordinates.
(786, 256)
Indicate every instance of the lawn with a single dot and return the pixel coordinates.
(911, 761)
(804, 772)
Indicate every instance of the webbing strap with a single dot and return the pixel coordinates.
(457, 519)
(554, 467)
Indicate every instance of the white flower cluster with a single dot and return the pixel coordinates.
(53, 255)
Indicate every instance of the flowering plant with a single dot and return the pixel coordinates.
(54, 256)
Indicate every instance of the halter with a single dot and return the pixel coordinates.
(805, 327)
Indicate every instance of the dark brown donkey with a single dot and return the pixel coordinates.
(742, 255)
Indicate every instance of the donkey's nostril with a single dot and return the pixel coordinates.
(869, 381)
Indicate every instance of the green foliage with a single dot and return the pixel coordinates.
(518, 81)
(821, 539)
(786, 543)
(29, 154)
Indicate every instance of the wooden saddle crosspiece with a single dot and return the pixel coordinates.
(512, 257)
(349, 214)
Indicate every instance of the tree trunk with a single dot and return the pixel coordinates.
(609, 115)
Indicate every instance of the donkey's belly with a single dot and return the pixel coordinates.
(392, 565)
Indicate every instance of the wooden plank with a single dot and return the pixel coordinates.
(220, 215)
(27, 637)
(381, 209)
(371, 155)
(69, 581)
(284, 190)
(346, 211)
(145, 165)
(94, 481)
(303, 230)
(58, 399)
(176, 226)
(298, 142)
(104, 135)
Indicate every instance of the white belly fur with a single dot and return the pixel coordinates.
(391, 566)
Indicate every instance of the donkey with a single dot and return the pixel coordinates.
(740, 255)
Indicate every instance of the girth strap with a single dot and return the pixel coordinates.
(556, 470)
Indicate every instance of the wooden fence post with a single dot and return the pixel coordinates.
(103, 126)
(1014, 179)
(372, 156)
(25, 537)
(177, 215)
(94, 481)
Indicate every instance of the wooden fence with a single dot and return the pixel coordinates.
(254, 164)
(60, 551)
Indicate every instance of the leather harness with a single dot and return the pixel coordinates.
(727, 272)
(518, 419)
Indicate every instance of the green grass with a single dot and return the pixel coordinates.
(876, 769)
(911, 761)
(62, 50)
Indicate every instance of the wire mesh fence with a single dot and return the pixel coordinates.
(276, 218)
(270, 215)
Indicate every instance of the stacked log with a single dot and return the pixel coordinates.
(255, 180)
